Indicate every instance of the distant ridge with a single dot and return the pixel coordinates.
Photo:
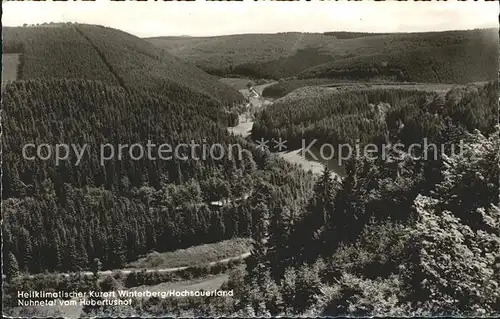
(443, 56)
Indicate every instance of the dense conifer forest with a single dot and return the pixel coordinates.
(419, 238)
(401, 235)
(65, 211)
(112, 56)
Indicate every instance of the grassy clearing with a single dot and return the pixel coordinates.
(194, 256)
(285, 87)
(312, 91)
(244, 127)
(10, 65)
(282, 88)
(428, 87)
(237, 83)
(308, 163)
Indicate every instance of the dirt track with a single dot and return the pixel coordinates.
(150, 270)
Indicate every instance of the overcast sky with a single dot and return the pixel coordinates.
(202, 18)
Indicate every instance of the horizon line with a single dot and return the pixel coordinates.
(252, 33)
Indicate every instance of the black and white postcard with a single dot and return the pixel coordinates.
(250, 159)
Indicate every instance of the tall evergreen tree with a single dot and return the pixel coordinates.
(11, 267)
(322, 203)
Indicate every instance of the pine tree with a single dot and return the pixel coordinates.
(347, 212)
(256, 263)
(261, 235)
(316, 227)
(249, 163)
(322, 203)
(271, 293)
(11, 266)
(308, 287)
(279, 229)
(289, 290)
(117, 255)
(217, 227)
(82, 260)
(96, 266)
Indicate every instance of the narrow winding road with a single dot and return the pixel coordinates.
(244, 129)
(151, 270)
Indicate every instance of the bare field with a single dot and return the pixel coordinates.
(317, 90)
(237, 83)
(10, 64)
(431, 87)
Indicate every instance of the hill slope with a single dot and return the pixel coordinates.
(108, 55)
(367, 114)
(447, 57)
(92, 86)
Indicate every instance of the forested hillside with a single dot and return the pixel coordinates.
(446, 57)
(373, 115)
(457, 57)
(284, 87)
(402, 234)
(420, 238)
(112, 56)
(220, 55)
(59, 218)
